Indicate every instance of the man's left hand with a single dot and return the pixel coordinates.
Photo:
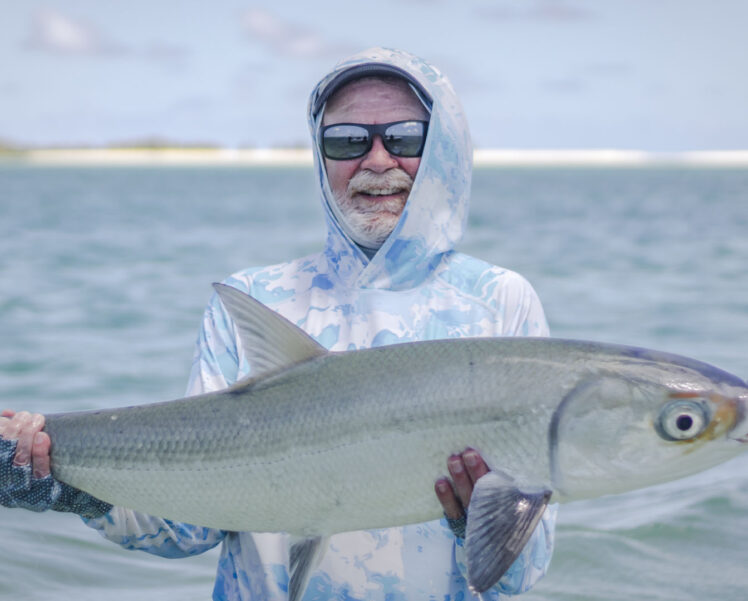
(465, 469)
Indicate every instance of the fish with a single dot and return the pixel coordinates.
(317, 442)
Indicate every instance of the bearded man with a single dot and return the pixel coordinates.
(393, 158)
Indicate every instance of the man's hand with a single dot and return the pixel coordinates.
(33, 444)
(25, 478)
(465, 470)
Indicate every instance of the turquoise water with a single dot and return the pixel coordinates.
(104, 273)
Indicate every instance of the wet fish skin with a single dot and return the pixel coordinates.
(355, 440)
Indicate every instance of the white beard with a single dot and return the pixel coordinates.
(372, 221)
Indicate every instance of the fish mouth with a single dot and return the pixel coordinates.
(739, 430)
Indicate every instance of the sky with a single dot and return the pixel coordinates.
(654, 75)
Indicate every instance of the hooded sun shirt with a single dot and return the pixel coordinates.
(414, 287)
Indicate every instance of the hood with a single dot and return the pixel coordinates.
(434, 217)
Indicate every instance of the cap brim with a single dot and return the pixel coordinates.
(359, 71)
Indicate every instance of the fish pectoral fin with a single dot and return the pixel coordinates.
(501, 519)
(305, 555)
(270, 342)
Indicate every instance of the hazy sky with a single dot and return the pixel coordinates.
(632, 74)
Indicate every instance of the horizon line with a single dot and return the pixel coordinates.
(489, 157)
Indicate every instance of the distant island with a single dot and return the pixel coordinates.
(160, 151)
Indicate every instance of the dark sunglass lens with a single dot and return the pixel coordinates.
(345, 141)
(405, 139)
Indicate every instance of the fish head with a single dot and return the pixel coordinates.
(615, 434)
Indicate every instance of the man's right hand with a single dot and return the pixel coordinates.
(33, 444)
(25, 477)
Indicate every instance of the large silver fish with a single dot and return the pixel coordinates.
(320, 442)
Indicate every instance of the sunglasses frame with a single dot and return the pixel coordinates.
(373, 129)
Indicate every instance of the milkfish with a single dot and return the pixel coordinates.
(319, 442)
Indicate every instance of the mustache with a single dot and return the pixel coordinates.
(389, 182)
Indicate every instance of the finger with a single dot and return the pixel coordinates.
(462, 482)
(446, 495)
(29, 426)
(16, 424)
(40, 455)
(476, 467)
(5, 416)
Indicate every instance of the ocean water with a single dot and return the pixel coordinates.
(104, 273)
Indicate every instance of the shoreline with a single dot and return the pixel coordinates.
(267, 157)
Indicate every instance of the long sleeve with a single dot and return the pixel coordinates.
(138, 531)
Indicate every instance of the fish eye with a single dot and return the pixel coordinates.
(682, 420)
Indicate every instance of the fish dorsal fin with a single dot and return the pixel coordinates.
(304, 558)
(270, 341)
(501, 519)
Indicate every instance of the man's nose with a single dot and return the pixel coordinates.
(378, 159)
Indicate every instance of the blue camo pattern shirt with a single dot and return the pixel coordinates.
(416, 287)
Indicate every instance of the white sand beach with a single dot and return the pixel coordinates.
(281, 157)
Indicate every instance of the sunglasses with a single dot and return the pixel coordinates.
(344, 141)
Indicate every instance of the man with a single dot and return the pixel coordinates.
(393, 157)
